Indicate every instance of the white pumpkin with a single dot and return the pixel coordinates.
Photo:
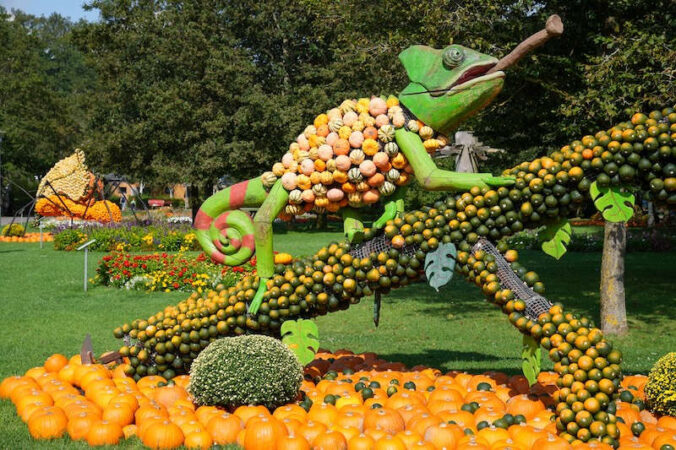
(391, 148)
(387, 188)
(354, 175)
(295, 197)
(392, 175)
(268, 179)
(386, 133)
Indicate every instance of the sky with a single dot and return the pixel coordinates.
(67, 8)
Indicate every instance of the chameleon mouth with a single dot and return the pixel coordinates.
(473, 75)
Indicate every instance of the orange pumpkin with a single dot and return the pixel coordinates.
(48, 423)
(246, 412)
(443, 435)
(361, 442)
(310, 430)
(523, 404)
(263, 433)
(55, 363)
(385, 419)
(198, 439)
(330, 440)
(164, 434)
(168, 395)
(292, 443)
(120, 413)
(224, 428)
(104, 433)
(389, 443)
(79, 425)
(551, 442)
(205, 413)
(129, 431)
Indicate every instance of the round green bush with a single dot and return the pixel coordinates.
(245, 370)
(660, 390)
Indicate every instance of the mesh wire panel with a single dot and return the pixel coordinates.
(376, 245)
(535, 303)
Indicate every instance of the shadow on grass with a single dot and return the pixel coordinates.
(649, 285)
(12, 251)
(452, 359)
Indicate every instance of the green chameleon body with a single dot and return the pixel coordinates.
(446, 87)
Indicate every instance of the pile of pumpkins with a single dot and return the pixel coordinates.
(347, 401)
(28, 237)
(348, 156)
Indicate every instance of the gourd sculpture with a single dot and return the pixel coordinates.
(326, 168)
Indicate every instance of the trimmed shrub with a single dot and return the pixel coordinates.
(245, 370)
(660, 390)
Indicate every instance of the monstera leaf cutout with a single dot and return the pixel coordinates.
(614, 204)
(439, 265)
(555, 237)
(531, 359)
(302, 337)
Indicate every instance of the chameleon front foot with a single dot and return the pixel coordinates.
(390, 213)
(258, 298)
(355, 236)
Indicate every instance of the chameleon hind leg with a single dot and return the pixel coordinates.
(352, 224)
(265, 258)
(393, 207)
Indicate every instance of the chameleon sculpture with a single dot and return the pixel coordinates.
(603, 170)
(362, 150)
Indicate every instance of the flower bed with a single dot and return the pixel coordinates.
(128, 237)
(166, 272)
(347, 401)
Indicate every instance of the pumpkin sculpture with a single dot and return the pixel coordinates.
(546, 190)
(359, 152)
(69, 189)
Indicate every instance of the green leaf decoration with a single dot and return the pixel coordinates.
(614, 204)
(302, 337)
(439, 265)
(531, 359)
(555, 237)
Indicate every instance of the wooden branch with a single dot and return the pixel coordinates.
(553, 28)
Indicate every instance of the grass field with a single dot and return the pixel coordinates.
(47, 312)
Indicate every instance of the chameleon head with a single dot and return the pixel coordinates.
(449, 85)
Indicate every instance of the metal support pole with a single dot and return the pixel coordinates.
(86, 252)
(42, 244)
(85, 247)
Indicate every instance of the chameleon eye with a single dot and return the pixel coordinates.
(453, 57)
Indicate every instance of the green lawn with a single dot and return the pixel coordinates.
(46, 312)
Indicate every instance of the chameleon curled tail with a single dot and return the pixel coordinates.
(225, 232)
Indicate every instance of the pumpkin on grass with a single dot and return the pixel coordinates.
(104, 433)
(48, 423)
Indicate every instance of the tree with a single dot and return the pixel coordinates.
(42, 82)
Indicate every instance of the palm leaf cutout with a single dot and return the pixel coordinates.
(439, 265)
(614, 204)
(555, 237)
(531, 359)
(302, 337)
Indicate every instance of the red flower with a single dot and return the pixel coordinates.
(176, 285)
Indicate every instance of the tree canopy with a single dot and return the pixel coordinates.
(42, 82)
(189, 91)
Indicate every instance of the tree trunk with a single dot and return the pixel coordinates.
(194, 200)
(613, 311)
